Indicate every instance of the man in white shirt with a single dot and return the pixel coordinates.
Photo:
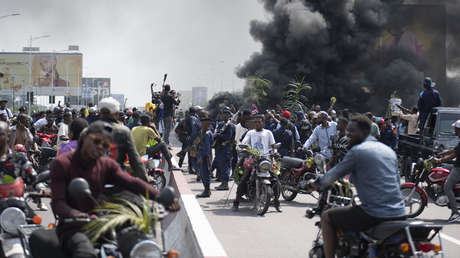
(259, 138)
(412, 119)
(42, 121)
(241, 128)
(63, 133)
(322, 134)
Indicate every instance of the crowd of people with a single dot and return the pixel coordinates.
(83, 138)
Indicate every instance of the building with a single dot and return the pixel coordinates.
(185, 99)
(199, 96)
(94, 89)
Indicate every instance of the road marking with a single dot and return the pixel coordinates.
(450, 239)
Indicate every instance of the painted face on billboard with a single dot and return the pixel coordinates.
(48, 63)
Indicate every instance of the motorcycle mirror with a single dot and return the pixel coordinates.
(167, 196)
(277, 146)
(79, 189)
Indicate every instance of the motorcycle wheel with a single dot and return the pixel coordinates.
(316, 252)
(286, 179)
(263, 200)
(159, 180)
(415, 200)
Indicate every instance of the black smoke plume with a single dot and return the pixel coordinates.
(333, 44)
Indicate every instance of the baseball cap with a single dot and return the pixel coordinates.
(109, 103)
(286, 114)
(456, 124)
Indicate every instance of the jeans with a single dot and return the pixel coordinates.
(223, 163)
(452, 179)
(205, 173)
(161, 146)
(79, 246)
(167, 122)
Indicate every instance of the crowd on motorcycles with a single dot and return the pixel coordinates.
(275, 152)
(44, 152)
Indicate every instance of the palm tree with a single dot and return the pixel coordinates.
(295, 98)
(118, 212)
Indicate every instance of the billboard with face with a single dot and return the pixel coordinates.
(43, 73)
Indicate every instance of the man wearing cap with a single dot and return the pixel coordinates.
(224, 141)
(454, 175)
(204, 155)
(322, 134)
(5, 110)
(429, 98)
(92, 116)
(109, 112)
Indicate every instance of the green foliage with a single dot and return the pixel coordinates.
(259, 90)
(119, 212)
(253, 151)
(295, 97)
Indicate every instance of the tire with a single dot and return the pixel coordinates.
(285, 179)
(416, 199)
(263, 200)
(159, 180)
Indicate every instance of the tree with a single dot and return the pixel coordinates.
(295, 98)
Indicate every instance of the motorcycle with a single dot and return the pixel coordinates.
(399, 238)
(17, 218)
(46, 140)
(428, 183)
(262, 178)
(295, 174)
(126, 240)
(155, 171)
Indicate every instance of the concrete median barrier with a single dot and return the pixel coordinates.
(188, 231)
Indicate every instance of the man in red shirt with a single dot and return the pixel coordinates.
(89, 162)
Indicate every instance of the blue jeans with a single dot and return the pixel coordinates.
(223, 162)
(204, 173)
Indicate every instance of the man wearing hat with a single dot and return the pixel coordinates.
(5, 110)
(323, 134)
(454, 176)
(204, 155)
(429, 98)
(224, 140)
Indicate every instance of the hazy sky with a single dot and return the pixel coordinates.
(197, 42)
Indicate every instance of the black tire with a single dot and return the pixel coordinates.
(416, 198)
(263, 200)
(287, 194)
(316, 252)
(159, 180)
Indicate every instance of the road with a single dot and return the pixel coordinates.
(286, 234)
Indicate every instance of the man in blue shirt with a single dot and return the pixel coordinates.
(373, 168)
(224, 141)
(204, 156)
(284, 136)
(429, 98)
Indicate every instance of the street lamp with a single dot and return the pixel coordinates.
(9, 15)
(31, 39)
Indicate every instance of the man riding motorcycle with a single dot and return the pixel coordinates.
(88, 162)
(373, 168)
(454, 176)
(261, 140)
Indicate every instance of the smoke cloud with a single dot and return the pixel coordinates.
(334, 43)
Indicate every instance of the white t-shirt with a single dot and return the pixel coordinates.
(261, 141)
(63, 130)
(239, 131)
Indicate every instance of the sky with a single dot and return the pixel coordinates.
(196, 42)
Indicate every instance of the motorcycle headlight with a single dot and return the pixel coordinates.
(265, 165)
(146, 249)
(11, 218)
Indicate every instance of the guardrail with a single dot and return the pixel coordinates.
(188, 231)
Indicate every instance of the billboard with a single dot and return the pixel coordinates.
(43, 73)
(95, 88)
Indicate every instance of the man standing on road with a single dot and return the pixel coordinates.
(63, 132)
(169, 102)
(429, 98)
(109, 109)
(5, 110)
(374, 169)
(204, 156)
(224, 141)
(454, 176)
